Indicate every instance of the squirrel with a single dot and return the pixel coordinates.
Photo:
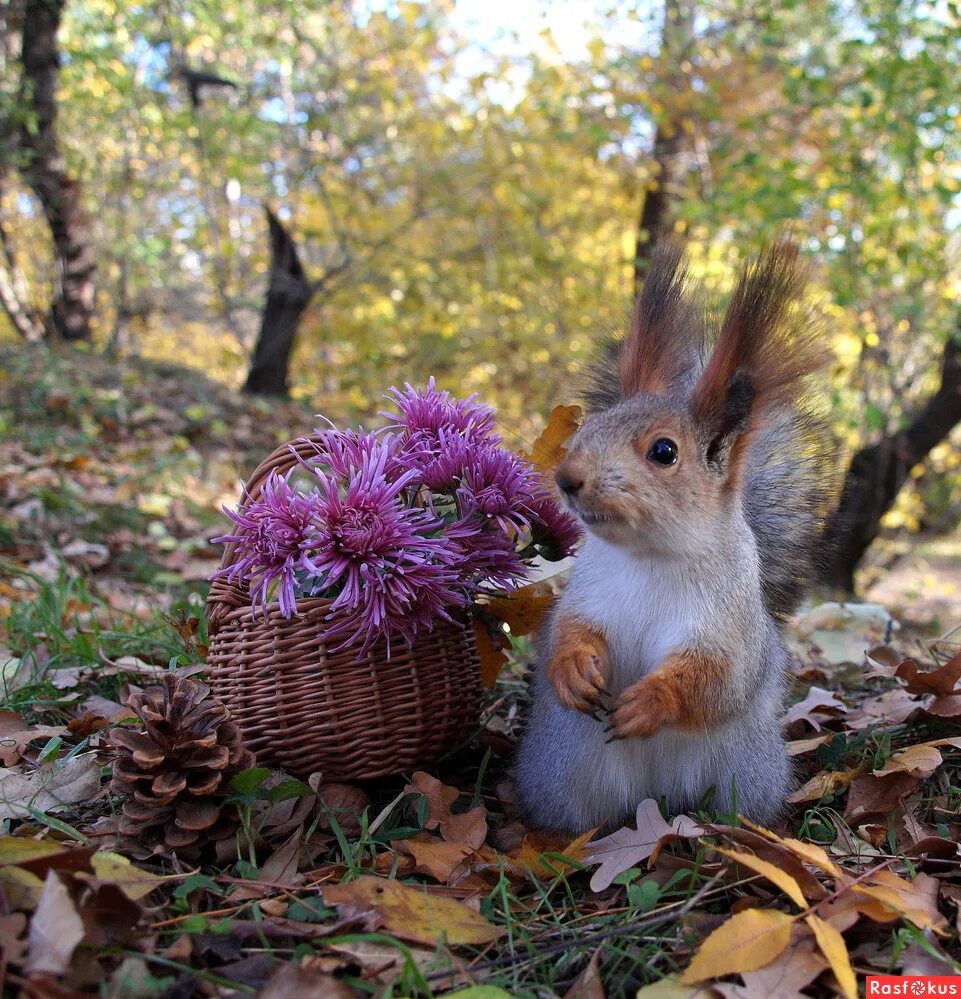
(699, 475)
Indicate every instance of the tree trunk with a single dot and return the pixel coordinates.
(44, 169)
(676, 38)
(877, 473)
(288, 294)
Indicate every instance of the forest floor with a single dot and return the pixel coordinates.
(111, 482)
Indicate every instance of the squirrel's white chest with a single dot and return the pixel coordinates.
(644, 609)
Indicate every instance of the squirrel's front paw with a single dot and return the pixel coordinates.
(577, 674)
(643, 709)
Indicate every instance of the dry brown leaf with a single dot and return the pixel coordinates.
(874, 797)
(627, 847)
(801, 746)
(817, 702)
(810, 853)
(55, 930)
(294, 981)
(747, 941)
(890, 708)
(940, 680)
(49, 788)
(919, 761)
(548, 450)
(412, 913)
(468, 827)
(821, 784)
(784, 977)
(434, 857)
(16, 734)
(778, 854)
(588, 984)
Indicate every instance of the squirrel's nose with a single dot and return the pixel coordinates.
(569, 481)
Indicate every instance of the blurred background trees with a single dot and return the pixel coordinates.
(447, 198)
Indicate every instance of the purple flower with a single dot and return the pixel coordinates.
(344, 451)
(433, 411)
(271, 534)
(499, 487)
(486, 556)
(392, 568)
(439, 458)
(555, 532)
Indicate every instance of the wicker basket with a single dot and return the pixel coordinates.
(304, 709)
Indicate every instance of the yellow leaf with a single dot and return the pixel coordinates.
(412, 913)
(747, 941)
(117, 870)
(524, 610)
(20, 849)
(548, 450)
(782, 879)
(534, 847)
(919, 761)
(905, 898)
(491, 658)
(835, 950)
(808, 852)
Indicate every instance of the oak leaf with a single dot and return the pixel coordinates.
(627, 847)
(468, 827)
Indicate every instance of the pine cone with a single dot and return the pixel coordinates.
(177, 771)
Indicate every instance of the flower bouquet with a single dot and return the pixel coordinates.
(350, 571)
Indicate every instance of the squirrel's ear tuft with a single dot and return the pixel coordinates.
(665, 334)
(731, 419)
(766, 342)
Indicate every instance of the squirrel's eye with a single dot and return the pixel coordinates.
(663, 452)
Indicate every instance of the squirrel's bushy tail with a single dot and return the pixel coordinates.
(746, 385)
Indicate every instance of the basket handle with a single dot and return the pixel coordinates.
(225, 596)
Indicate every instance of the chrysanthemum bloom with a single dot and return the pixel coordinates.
(433, 411)
(555, 533)
(440, 458)
(391, 569)
(486, 557)
(270, 536)
(344, 451)
(499, 487)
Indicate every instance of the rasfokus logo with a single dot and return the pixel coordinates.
(913, 985)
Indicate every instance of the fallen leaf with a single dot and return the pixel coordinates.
(411, 913)
(874, 797)
(111, 868)
(747, 941)
(294, 981)
(55, 930)
(548, 450)
(801, 746)
(774, 874)
(588, 984)
(890, 708)
(822, 784)
(786, 975)
(919, 761)
(434, 857)
(49, 788)
(16, 734)
(530, 855)
(835, 950)
(810, 853)
(816, 702)
(468, 827)
(940, 680)
(916, 901)
(628, 847)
